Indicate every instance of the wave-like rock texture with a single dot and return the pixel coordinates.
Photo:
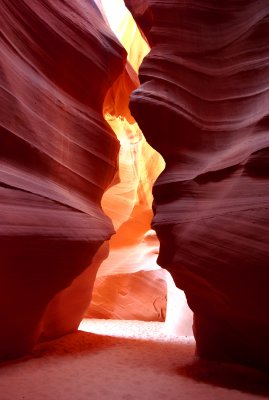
(57, 157)
(132, 296)
(204, 105)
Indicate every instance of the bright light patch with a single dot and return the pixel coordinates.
(126, 30)
(139, 167)
(138, 330)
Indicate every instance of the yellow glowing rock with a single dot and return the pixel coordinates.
(126, 30)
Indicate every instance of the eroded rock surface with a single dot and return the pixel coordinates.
(57, 157)
(203, 105)
(131, 296)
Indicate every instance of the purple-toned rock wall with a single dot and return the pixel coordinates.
(204, 105)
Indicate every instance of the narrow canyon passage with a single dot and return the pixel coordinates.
(72, 155)
(134, 179)
(129, 283)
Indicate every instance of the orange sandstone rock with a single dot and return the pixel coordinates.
(139, 296)
(128, 202)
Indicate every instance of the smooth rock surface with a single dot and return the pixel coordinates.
(139, 296)
(57, 157)
(203, 104)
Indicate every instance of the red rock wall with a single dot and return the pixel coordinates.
(57, 157)
(204, 105)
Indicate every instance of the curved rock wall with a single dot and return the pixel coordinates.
(57, 156)
(204, 105)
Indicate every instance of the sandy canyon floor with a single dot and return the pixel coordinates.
(125, 360)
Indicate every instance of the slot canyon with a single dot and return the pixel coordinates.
(134, 195)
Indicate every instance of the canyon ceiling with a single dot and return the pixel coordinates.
(78, 162)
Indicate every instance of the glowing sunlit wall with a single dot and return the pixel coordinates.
(139, 164)
(125, 28)
(128, 202)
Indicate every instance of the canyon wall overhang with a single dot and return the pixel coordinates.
(204, 105)
(57, 157)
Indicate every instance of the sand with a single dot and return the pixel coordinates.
(111, 359)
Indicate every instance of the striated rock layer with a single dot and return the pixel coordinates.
(131, 296)
(204, 105)
(57, 156)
